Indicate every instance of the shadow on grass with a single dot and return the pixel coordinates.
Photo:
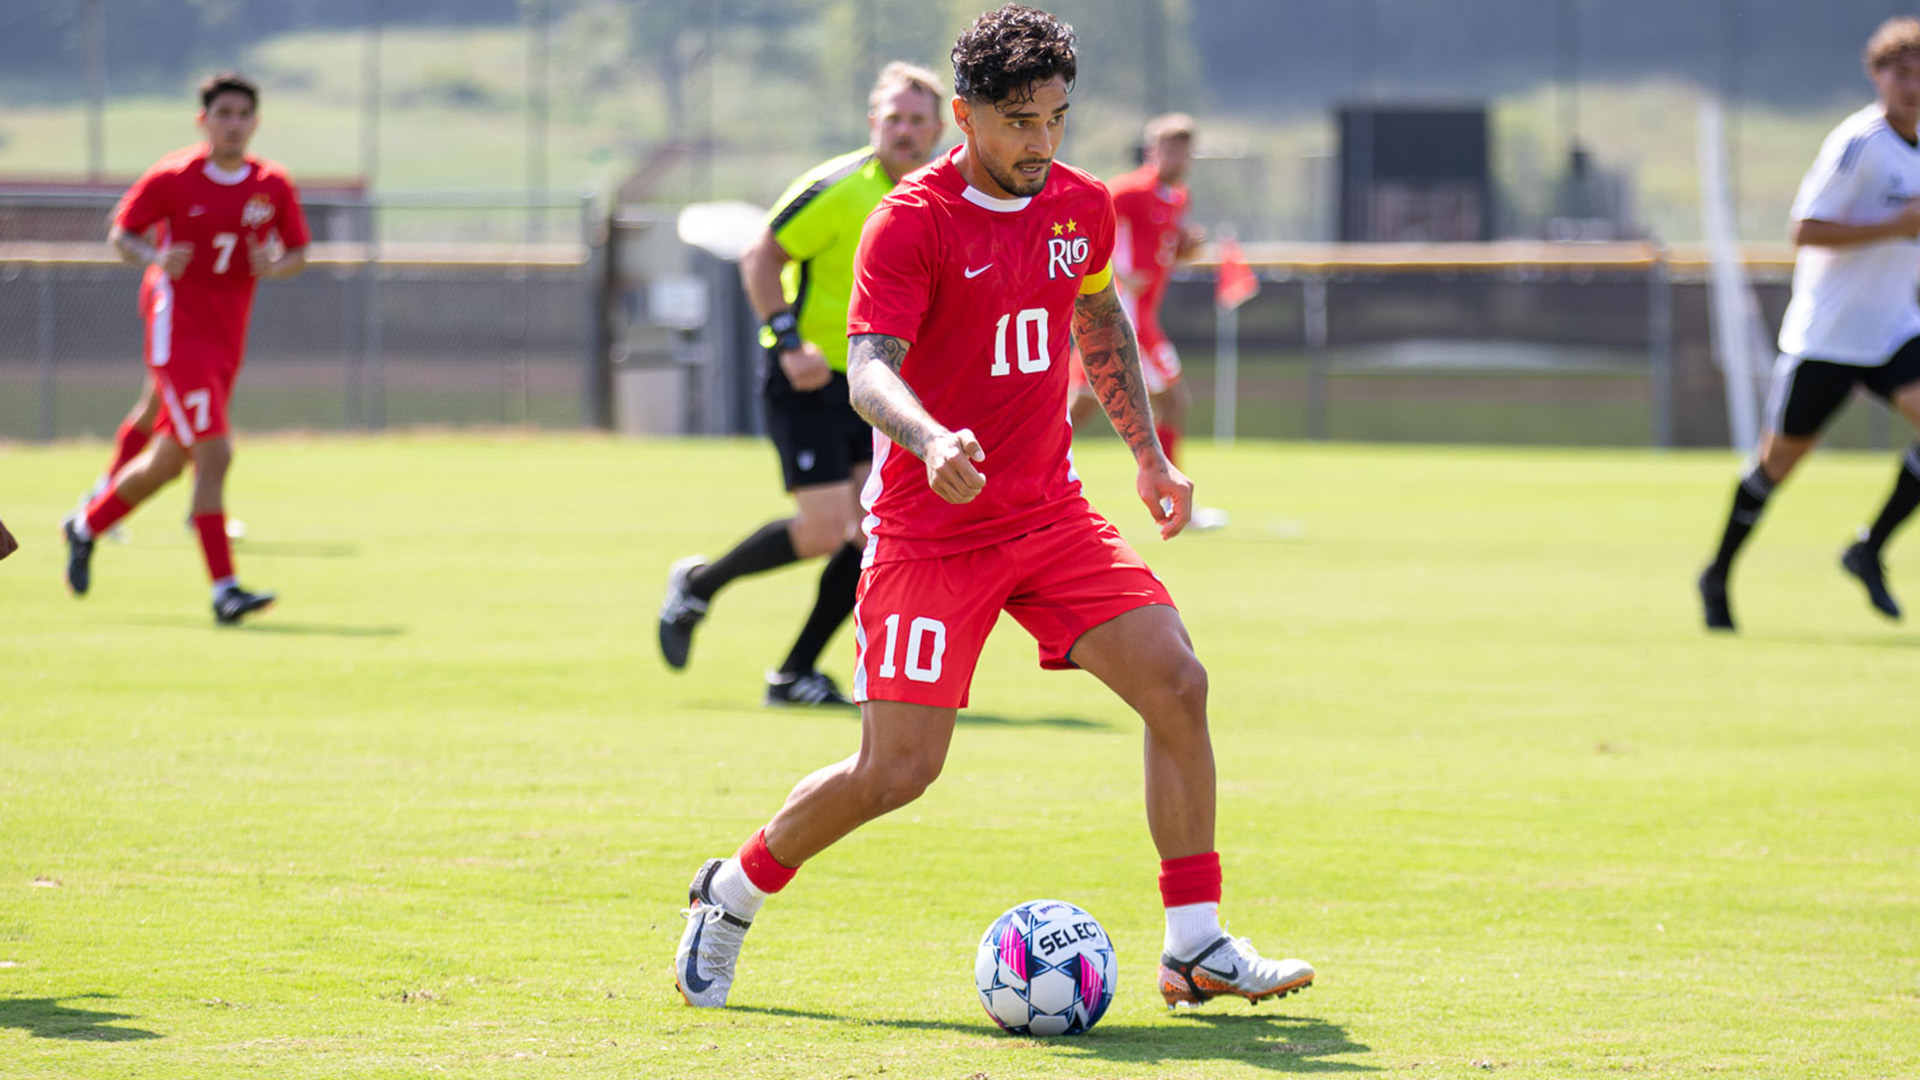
(1788, 637)
(301, 549)
(1296, 1044)
(979, 719)
(46, 1018)
(267, 625)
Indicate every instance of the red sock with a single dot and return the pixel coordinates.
(1192, 879)
(1169, 441)
(766, 872)
(105, 511)
(127, 444)
(213, 542)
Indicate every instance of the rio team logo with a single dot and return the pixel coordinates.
(1065, 250)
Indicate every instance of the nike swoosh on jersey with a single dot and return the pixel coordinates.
(694, 982)
(971, 273)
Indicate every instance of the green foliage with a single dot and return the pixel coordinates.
(437, 811)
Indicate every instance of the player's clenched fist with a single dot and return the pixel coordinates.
(174, 259)
(950, 472)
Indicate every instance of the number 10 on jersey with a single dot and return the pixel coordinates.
(1029, 329)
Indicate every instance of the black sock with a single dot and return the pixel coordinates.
(769, 549)
(1749, 498)
(838, 583)
(1900, 503)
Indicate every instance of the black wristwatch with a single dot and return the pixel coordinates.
(782, 332)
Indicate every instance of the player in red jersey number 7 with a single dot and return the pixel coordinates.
(969, 276)
(223, 221)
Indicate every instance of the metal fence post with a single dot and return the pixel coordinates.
(1660, 348)
(372, 379)
(44, 428)
(596, 410)
(1313, 300)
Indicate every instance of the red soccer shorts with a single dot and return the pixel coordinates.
(919, 624)
(192, 371)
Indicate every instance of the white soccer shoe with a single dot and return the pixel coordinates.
(1230, 966)
(703, 966)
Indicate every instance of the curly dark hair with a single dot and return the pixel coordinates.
(1006, 53)
(228, 82)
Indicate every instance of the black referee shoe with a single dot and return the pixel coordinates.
(79, 559)
(235, 603)
(1865, 565)
(1713, 598)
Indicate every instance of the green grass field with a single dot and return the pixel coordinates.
(435, 814)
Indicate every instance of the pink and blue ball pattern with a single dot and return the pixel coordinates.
(1046, 967)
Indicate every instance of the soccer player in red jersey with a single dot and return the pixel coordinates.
(224, 220)
(1154, 238)
(968, 276)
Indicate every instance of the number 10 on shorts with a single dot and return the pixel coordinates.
(926, 644)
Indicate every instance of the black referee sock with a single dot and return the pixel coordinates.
(769, 549)
(838, 583)
(1900, 504)
(1749, 498)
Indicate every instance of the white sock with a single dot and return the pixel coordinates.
(223, 585)
(1190, 928)
(80, 527)
(735, 893)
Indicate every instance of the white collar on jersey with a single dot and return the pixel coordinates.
(221, 176)
(1005, 206)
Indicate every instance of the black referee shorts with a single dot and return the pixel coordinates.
(817, 434)
(1807, 392)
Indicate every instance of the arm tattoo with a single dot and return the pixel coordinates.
(882, 397)
(1112, 359)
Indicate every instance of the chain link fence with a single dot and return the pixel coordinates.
(466, 329)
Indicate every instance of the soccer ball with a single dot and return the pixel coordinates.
(1046, 967)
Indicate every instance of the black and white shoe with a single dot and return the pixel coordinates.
(810, 688)
(1865, 566)
(235, 603)
(1713, 599)
(79, 558)
(680, 612)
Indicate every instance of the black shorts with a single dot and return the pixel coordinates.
(1807, 392)
(818, 435)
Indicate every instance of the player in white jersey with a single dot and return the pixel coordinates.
(1854, 319)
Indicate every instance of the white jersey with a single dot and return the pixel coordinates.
(1858, 304)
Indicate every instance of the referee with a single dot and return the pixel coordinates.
(799, 278)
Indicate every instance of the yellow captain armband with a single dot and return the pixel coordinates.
(1093, 283)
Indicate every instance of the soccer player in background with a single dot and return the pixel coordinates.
(226, 221)
(1853, 319)
(968, 276)
(799, 276)
(1154, 238)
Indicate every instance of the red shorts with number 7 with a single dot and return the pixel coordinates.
(192, 364)
(919, 624)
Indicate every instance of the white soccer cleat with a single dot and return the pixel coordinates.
(1230, 966)
(703, 966)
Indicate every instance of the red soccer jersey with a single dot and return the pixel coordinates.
(220, 215)
(1152, 218)
(983, 288)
